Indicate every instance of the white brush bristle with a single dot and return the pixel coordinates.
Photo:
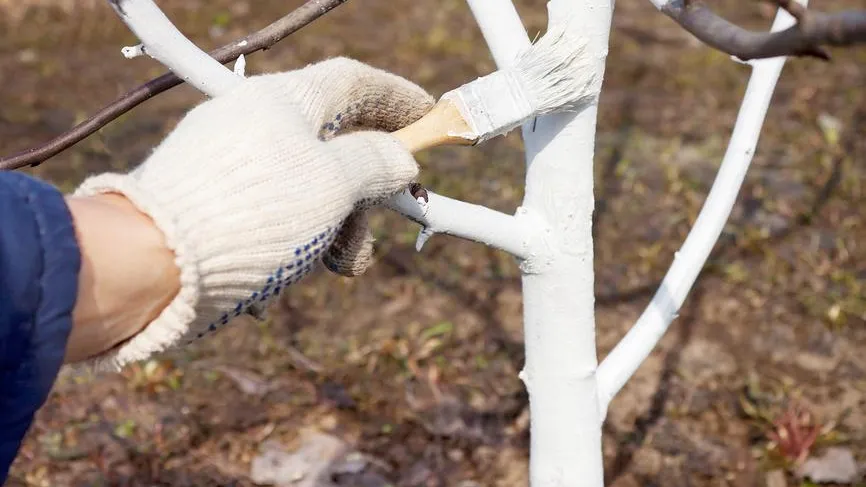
(556, 72)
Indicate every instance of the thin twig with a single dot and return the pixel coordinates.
(813, 31)
(263, 39)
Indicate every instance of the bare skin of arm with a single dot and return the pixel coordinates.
(128, 275)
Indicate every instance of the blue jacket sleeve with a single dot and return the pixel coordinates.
(39, 265)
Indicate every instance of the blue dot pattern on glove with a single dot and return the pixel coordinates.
(299, 265)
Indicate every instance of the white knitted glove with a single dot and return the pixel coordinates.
(253, 187)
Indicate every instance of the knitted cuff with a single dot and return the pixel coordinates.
(174, 321)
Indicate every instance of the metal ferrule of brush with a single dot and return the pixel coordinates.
(492, 105)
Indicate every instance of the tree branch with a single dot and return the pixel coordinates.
(502, 29)
(622, 362)
(440, 214)
(808, 37)
(161, 40)
(262, 39)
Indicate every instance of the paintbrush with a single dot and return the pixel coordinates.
(551, 75)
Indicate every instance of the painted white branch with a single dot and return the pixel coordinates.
(162, 41)
(506, 38)
(634, 348)
(502, 29)
(472, 222)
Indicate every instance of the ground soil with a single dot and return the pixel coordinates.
(415, 364)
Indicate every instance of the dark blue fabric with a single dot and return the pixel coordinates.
(39, 265)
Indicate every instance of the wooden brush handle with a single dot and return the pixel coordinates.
(433, 129)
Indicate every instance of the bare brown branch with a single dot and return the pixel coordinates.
(263, 39)
(813, 32)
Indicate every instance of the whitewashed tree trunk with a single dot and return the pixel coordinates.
(550, 233)
(558, 291)
(559, 319)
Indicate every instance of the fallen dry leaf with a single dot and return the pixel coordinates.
(248, 382)
(837, 465)
(305, 467)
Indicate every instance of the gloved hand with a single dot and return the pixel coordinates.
(254, 186)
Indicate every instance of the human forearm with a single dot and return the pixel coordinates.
(128, 275)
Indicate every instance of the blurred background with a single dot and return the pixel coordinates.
(410, 372)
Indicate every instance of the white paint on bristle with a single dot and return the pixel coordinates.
(492, 105)
(554, 74)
